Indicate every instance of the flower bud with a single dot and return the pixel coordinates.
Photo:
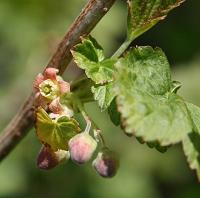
(62, 155)
(57, 108)
(106, 163)
(64, 86)
(81, 147)
(39, 100)
(38, 80)
(54, 116)
(48, 159)
(51, 73)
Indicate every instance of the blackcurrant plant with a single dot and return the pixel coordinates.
(134, 86)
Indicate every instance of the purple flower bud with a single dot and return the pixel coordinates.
(81, 147)
(106, 163)
(48, 159)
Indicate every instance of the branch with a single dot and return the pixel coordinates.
(82, 26)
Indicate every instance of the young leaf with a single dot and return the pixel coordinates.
(88, 55)
(143, 14)
(56, 134)
(103, 94)
(149, 108)
(191, 143)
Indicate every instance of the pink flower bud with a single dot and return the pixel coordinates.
(54, 116)
(39, 100)
(81, 147)
(55, 106)
(62, 155)
(48, 159)
(64, 86)
(50, 73)
(106, 163)
(39, 79)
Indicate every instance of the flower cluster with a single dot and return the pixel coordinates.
(83, 146)
(48, 88)
(57, 129)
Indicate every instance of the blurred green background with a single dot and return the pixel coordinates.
(29, 32)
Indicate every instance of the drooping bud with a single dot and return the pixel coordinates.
(81, 147)
(48, 159)
(106, 163)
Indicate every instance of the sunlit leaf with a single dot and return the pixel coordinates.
(149, 108)
(55, 133)
(88, 55)
(103, 94)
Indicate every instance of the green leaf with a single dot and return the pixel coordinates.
(146, 69)
(114, 113)
(88, 55)
(156, 145)
(143, 14)
(103, 94)
(55, 133)
(191, 143)
(146, 100)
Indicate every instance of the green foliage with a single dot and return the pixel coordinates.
(191, 143)
(146, 104)
(148, 107)
(103, 94)
(55, 133)
(113, 113)
(146, 96)
(140, 175)
(137, 89)
(142, 15)
(89, 56)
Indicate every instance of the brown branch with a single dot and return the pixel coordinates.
(83, 24)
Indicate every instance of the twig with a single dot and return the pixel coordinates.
(82, 26)
(97, 131)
